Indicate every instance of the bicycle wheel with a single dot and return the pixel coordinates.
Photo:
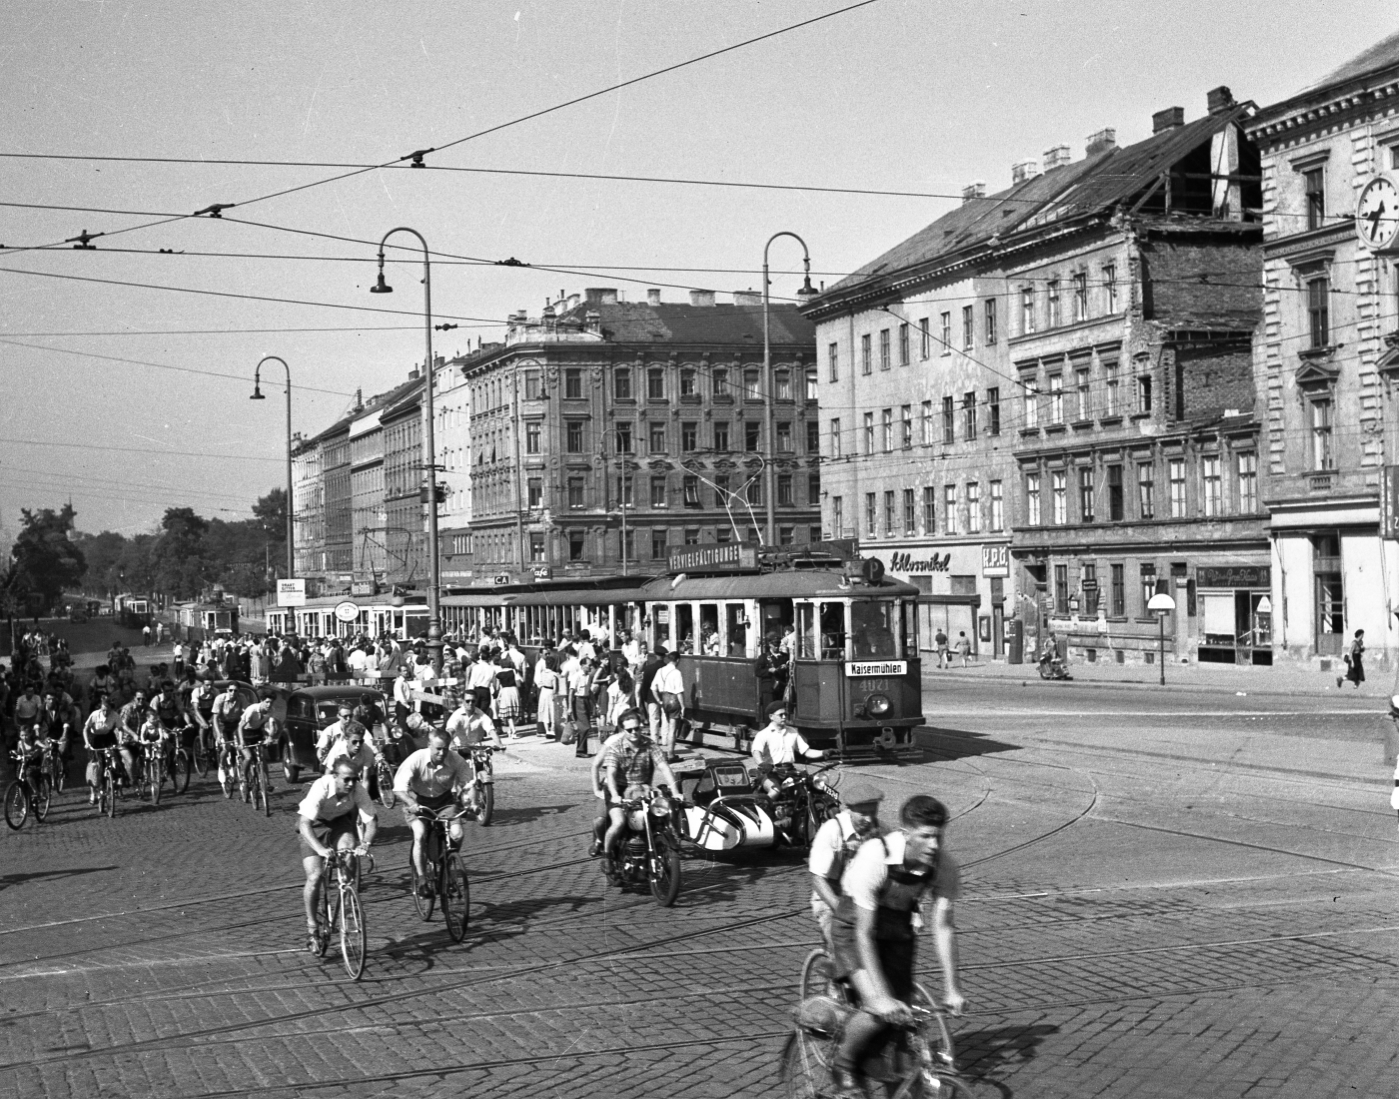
(155, 773)
(228, 775)
(321, 939)
(424, 905)
(456, 897)
(42, 796)
(384, 776)
(816, 979)
(200, 754)
(184, 768)
(110, 795)
(245, 783)
(939, 1040)
(16, 805)
(352, 933)
(486, 804)
(665, 871)
(60, 773)
(804, 1071)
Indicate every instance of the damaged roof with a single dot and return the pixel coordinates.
(1096, 185)
(638, 322)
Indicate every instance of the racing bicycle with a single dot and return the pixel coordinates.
(252, 779)
(446, 873)
(29, 792)
(341, 912)
(227, 763)
(918, 1060)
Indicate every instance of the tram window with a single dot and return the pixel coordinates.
(737, 620)
(909, 613)
(806, 631)
(832, 631)
(776, 617)
(685, 627)
(709, 628)
(872, 627)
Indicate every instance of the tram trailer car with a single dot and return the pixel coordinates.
(199, 622)
(856, 678)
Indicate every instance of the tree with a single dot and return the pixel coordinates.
(177, 558)
(48, 562)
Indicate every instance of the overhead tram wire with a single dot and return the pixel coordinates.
(242, 379)
(87, 478)
(222, 456)
(215, 210)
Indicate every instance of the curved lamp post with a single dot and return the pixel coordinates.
(1161, 605)
(257, 396)
(434, 624)
(770, 486)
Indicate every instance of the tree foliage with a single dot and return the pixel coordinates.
(46, 560)
(188, 554)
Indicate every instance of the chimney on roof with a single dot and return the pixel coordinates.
(653, 296)
(1022, 170)
(601, 295)
(574, 300)
(1056, 157)
(748, 297)
(975, 189)
(1219, 99)
(702, 298)
(414, 373)
(1168, 119)
(1101, 141)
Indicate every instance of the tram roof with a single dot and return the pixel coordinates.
(566, 597)
(788, 584)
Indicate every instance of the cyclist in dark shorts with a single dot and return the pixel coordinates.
(336, 813)
(99, 734)
(433, 778)
(254, 727)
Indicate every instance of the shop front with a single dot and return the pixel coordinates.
(1236, 614)
(962, 591)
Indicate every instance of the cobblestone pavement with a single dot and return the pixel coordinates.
(1161, 898)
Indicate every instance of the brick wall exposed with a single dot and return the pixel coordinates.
(1191, 283)
(1213, 379)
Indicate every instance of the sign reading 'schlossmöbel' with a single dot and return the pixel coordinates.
(721, 556)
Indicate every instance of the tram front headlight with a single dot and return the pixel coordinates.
(878, 705)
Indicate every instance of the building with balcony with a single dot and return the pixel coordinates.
(1052, 400)
(605, 432)
(1326, 363)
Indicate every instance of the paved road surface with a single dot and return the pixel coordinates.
(1164, 896)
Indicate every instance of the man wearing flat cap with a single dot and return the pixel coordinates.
(836, 843)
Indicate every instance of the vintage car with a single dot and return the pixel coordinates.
(724, 811)
(311, 709)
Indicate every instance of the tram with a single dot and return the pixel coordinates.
(201, 621)
(855, 683)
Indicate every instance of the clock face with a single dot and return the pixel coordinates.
(1377, 213)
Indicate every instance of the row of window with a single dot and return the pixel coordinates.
(895, 344)
(500, 548)
(658, 435)
(1218, 494)
(931, 428)
(913, 511)
(695, 491)
(724, 383)
(1061, 404)
(1113, 601)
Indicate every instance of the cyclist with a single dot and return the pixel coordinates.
(253, 729)
(875, 928)
(468, 727)
(31, 750)
(99, 734)
(432, 778)
(28, 706)
(355, 746)
(328, 736)
(632, 760)
(153, 732)
(835, 844)
(60, 716)
(224, 716)
(335, 813)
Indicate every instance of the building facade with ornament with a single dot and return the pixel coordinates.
(1327, 359)
(605, 433)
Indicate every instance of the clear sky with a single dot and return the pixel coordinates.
(899, 95)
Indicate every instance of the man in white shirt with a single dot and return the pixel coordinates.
(779, 745)
(331, 815)
(835, 845)
(331, 734)
(668, 688)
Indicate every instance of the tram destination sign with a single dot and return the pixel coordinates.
(876, 667)
(719, 557)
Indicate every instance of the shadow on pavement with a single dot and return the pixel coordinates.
(941, 744)
(982, 1053)
(506, 818)
(8, 880)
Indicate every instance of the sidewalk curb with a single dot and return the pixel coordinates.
(1140, 685)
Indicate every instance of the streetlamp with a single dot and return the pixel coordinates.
(257, 396)
(1161, 604)
(434, 622)
(770, 487)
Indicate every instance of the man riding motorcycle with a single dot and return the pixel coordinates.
(633, 763)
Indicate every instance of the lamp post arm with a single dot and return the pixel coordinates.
(769, 382)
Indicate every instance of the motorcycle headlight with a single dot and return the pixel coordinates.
(660, 806)
(878, 705)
